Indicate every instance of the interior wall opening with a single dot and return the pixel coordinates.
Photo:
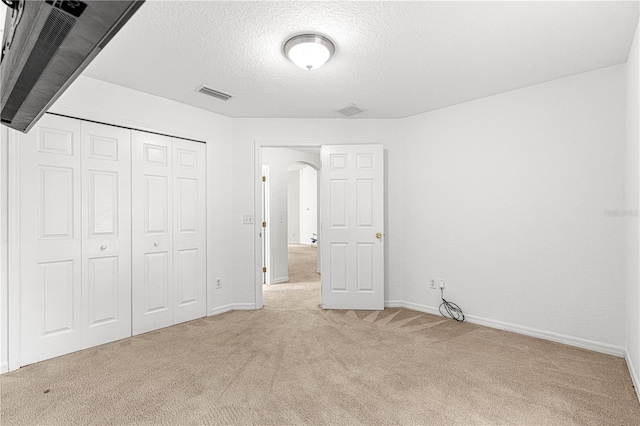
(290, 216)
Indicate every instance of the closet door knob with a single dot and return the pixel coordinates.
(103, 247)
(156, 244)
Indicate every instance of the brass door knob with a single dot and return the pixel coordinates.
(379, 235)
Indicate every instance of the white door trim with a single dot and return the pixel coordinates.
(257, 202)
(13, 248)
(265, 232)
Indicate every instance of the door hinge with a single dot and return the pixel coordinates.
(264, 224)
(264, 269)
(264, 178)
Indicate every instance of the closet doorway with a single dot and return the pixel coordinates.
(110, 236)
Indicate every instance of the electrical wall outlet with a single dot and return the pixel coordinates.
(218, 282)
(247, 219)
(432, 283)
(441, 283)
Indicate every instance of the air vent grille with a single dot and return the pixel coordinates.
(215, 93)
(349, 110)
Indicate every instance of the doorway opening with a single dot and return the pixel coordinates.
(290, 207)
(302, 215)
(351, 243)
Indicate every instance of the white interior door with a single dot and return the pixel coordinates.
(106, 234)
(152, 223)
(189, 231)
(50, 229)
(352, 219)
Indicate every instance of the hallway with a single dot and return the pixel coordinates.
(303, 263)
(303, 287)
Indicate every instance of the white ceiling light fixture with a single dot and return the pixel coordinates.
(309, 51)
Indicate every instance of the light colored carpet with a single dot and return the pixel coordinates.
(292, 363)
(303, 264)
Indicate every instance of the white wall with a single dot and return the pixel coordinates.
(308, 209)
(293, 206)
(97, 100)
(303, 204)
(504, 198)
(632, 204)
(288, 132)
(278, 160)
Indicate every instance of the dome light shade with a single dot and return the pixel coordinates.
(309, 51)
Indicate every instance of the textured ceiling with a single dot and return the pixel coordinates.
(395, 59)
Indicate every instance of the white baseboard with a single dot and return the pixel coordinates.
(4, 368)
(419, 307)
(578, 342)
(221, 309)
(280, 280)
(634, 374)
(243, 306)
(393, 303)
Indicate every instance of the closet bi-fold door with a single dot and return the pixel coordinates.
(152, 222)
(106, 234)
(169, 231)
(50, 240)
(189, 231)
(75, 237)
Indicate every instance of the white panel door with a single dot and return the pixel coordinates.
(152, 223)
(50, 255)
(106, 234)
(352, 220)
(189, 231)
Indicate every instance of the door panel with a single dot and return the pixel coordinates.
(103, 290)
(106, 239)
(338, 200)
(338, 272)
(365, 267)
(50, 170)
(352, 217)
(57, 202)
(187, 208)
(156, 282)
(156, 208)
(364, 203)
(187, 274)
(152, 244)
(103, 203)
(189, 231)
(56, 288)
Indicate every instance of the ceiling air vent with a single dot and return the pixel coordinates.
(215, 93)
(349, 110)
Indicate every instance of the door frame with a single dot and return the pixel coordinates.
(257, 202)
(13, 252)
(266, 230)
